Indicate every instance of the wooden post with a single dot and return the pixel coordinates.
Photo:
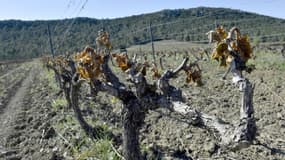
(50, 41)
(102, 25)
(160, 62)
(152, 46)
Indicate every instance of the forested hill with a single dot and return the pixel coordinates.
(27, 39)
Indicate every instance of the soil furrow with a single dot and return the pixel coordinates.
(12, 107)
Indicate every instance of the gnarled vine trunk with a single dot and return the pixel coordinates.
(75, 106)
(89, 130)
(235, 136)
(132, 120)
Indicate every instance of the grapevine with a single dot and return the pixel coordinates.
(140, 95)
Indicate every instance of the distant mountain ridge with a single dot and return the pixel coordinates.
(27, 39)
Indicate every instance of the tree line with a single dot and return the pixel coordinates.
(28, 39)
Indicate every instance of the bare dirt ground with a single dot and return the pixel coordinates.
(32, 128)
(10, 110)
(24, 114)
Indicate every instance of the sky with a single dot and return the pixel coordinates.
(60, 9)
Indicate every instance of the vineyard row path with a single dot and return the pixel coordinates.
(15, 106)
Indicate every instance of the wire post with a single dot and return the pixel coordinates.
(152, 45)
(102, 25)
(50, 41)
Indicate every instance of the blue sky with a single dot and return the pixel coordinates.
(59, 9)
